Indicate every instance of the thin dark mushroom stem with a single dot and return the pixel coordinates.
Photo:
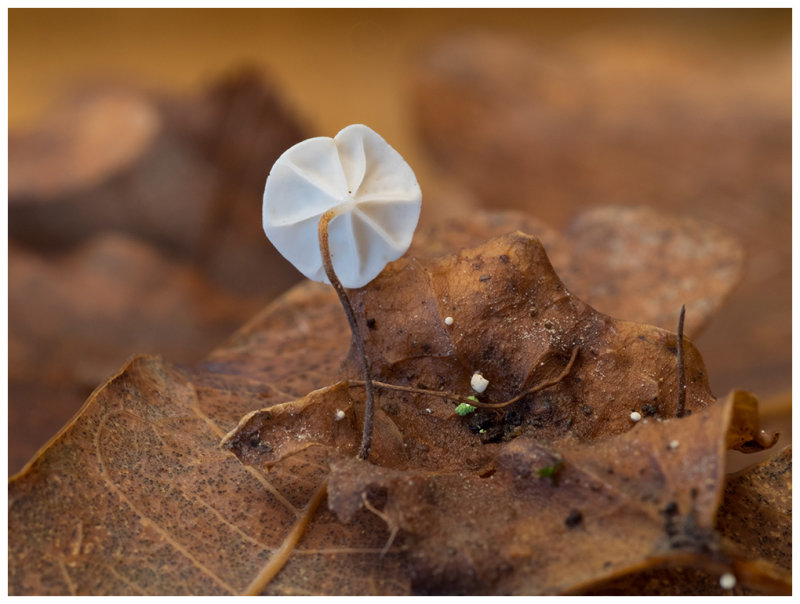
(366, 437)
(681, 408)
(463, 399)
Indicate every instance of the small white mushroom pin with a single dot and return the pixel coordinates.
(339, 209)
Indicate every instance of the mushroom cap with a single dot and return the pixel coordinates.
(366, 180)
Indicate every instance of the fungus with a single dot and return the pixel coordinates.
(478, 382)
(339, 209)
(727, 581)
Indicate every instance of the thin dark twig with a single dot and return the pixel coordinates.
(463, 399)
(681, 408)
(366, 437)
(543, 385)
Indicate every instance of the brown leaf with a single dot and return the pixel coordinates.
(636, 264)
(459, 501)
(559, 128)
(756, 512)
(639, 264)
(136, 496)
(488, 522)
(184, 174)
(77, 318)
(122, 288)
(628, 501)
(126, 210)
(755, 522)
(516, 323)
(563, 126)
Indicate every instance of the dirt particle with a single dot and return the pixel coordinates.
(371, 323)
(574, 518)
(649, 410)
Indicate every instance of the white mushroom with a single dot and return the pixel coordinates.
(727, 581)
(373, 190)
(478, 382)
(340, 209)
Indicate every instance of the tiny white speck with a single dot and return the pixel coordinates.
(428, 411)
(448, 320)
(727, 581)
(635, 416)
(674, 444)
(339, 415)
(478, 382)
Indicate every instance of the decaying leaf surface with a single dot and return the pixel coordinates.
(756, 512)
(653, 261)
(76, 319)
(516, 323)
(755, 519)
(136, 496)
(114, 198)
(557, 128)
(627, 262)
(466, 494)
(483, 518)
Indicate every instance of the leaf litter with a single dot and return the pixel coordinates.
(554, 494)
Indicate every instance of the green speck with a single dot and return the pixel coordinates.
(473, 398)
(464, 409)
(482, 431)
(550, 471)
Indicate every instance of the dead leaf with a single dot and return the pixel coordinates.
(755, 518)
(516, 323)
(756, 512)
(561, 127)
(136, 496)
(612, 117)
(632, 263)
(458, 500)
(626, 502)
(134, 225)
(185, 174)
(76, 319)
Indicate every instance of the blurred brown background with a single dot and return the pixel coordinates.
(140, 141)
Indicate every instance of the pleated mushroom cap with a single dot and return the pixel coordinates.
(373, 189)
